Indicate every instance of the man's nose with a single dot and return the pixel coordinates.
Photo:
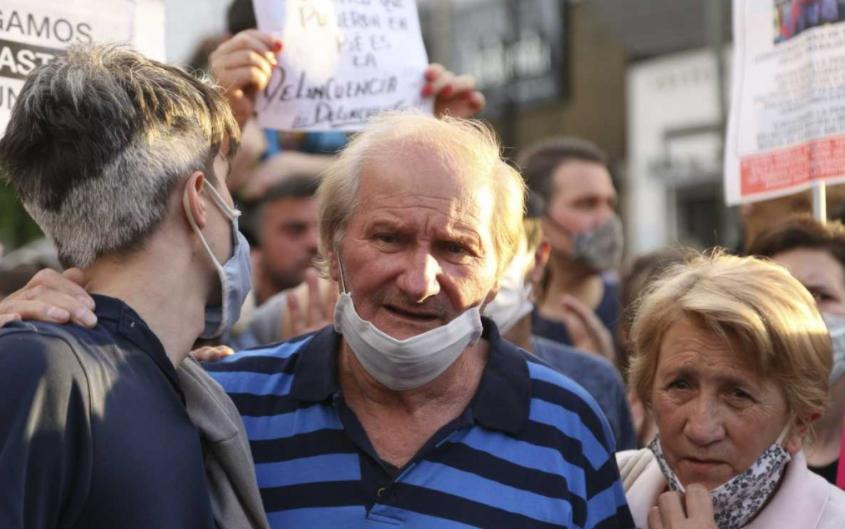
(418, 280)
(704, 424)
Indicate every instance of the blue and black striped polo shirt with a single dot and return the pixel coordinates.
(532, 450)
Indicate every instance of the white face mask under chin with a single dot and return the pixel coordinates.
(410, 363)
(739, 499)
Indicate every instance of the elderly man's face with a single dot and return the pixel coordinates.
(418, 248)
(715, 415)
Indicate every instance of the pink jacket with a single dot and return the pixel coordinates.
(804, 500)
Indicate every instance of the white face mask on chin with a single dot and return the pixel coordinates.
(404, 364)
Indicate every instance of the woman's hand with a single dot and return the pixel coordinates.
(693, 510)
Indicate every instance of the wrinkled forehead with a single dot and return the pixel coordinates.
(424, 182)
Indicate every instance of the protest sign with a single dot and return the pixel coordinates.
(787, 122)
(34, 33)
(344, 62)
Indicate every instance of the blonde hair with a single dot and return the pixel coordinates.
(757, 307)
(469, 143)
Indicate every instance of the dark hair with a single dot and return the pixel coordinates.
(802, 231)
(240, 16)
(296, 186)
(538, 162)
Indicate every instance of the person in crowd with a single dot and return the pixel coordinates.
(122, 162)
(733, 359)
(814, 253)
(411, 408)
(243, 65)
(636, 278)
(511, 311)
(578, 301)
(284, 223)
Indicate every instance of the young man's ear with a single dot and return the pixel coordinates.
(193, 202)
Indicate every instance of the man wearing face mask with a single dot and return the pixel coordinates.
(511, 311)
(814, 253)
(578, 302)
(411, 409)
(122, 162)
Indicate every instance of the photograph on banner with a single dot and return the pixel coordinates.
(342, 63)
(787, 120)
(33, 33)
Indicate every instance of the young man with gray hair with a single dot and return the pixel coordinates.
(122, 162)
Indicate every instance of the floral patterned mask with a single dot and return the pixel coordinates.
(739, 499)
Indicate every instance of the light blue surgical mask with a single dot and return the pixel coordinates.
(235, 274)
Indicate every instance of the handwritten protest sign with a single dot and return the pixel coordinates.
(787, 122)
(34, 33)
(344, 62)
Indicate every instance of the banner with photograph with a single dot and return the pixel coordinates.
(787, 120)
(33, 33)
(343, 62)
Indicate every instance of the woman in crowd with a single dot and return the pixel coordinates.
(814, 253)
(732, 358)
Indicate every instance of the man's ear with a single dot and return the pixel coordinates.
(334, 268)
(541, 259)
(193, 202)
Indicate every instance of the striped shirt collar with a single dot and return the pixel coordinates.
(501, 402)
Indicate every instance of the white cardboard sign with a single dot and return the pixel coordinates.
(787, 121)
(343, 62)
(34, 33)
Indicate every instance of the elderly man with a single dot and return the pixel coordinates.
(122, 162)
(411, 410)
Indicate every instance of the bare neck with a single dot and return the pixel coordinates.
(165, 290)
(568, 277)
(456, 385)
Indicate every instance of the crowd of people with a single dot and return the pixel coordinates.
(261, 329)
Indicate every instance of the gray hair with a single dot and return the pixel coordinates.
(98, 140)
(467, 142)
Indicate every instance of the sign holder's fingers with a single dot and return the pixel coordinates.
(250, 39)
(246, 59)
(463, 84)
(433, 71)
